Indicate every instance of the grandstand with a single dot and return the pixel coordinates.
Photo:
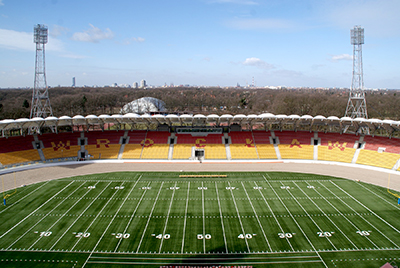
(265, 137)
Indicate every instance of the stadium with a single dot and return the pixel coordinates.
(168, 190)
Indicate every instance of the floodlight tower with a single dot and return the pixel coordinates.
(356, 105)
(40, 106)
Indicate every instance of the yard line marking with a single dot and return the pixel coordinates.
(131, 218)
(108, 226)
(151, 213)
(79, 216)
(238, 215)
(308, 215)
(204, 223)
(337, 227)
(90, 225)
(9, 230)
(166, 221)
(273, 214)
(358, 214)
(340, 230)
(298, 225)
(43, 219)
(255, 213)
(391, 203)
(222, 221)
(376, 215)
(184, 223)
(19, 200)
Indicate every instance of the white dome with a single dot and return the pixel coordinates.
(144, 105)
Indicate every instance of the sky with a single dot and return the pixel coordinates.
(201, 42)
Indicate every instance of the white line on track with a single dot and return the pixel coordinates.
(184, 223)
(166, 221)
(151, 213)
(131, 218)
(109, 224)
(376, 215)
(222, 221)
(273, 214)
(19, 200)
(36, 209)
(98, 214)
(298, 225)
(238, 215)
(255, 213)
(308, 215)
(79, 215)
(43, 219)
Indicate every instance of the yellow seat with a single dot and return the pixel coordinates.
(104, 152)
(182, 151)
(266, 151)
(215, 151)
(289, 151)
(155, 151)
(243, 151)
(336, 154)
(132, 151)
(19, 157)
(373, 158)
(71, 151)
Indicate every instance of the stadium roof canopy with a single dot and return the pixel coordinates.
(270, 121)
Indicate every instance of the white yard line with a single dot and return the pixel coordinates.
(109, 224)
(238, 215)
(298, 225)
(259, 223)
(376, 215)
(79, 216)
(204, 223)
(220, 215)
(357, 228)
(151, 213)
(19, 200)
(273, 214)
(309, 216)
(340, 230)
(98, 214)
(43, 219)
(315, 204)
(131, 218)
(393, 204)
(184, 223)
(166, 221)
(9, 230)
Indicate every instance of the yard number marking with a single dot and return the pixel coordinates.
(363, 233)
(310, 187)
(121, 235)
(257, 188)
(160, 236)
(174, 188)
(81, 234)
(146, 188)
(118, 187)
(325, 234)
(247, 236)
(285, 187)
(45, 233)
(206, 236)
(286, 235)
(230, 188)
(92, 187)
(202, 188)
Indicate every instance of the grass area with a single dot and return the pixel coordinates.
(158, 219)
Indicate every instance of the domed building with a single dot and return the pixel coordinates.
(144, 105)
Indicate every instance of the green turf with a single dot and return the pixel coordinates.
(158, 219)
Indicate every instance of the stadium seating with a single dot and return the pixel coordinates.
(242, 146)
(373, 158)
(156, 145)
(264, 147)
(14, 150)
(133, 149)
(12, 158)
(103, 145)
(212, 145)
(390, 145)
(337, 147)
(295, 145)
(60, 145)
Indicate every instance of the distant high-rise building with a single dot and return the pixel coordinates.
(73, 82)
(143, 84)
(135, 85)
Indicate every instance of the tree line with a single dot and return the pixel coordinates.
(16, 103)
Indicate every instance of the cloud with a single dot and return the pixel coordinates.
(131, 40)
(58, 30)
(256, 62)
(240, 2)
(260, 24)
(93, 35)
(1, 3)
(342, 57)
(15, 40)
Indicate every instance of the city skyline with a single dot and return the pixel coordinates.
(202, 42)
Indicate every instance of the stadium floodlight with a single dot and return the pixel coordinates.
(40, 106)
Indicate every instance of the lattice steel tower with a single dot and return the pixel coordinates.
(40, 98)
(356, 105)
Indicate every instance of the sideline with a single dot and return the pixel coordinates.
(49, 171)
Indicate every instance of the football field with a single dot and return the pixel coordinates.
(166, 219)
